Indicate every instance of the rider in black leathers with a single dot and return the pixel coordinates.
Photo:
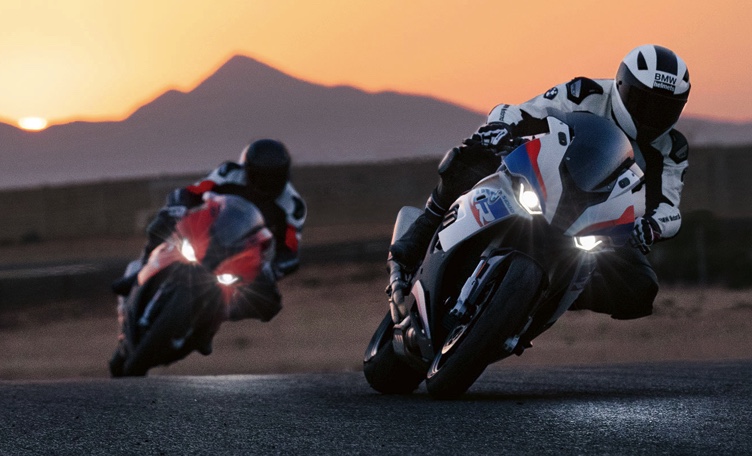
(262, 176)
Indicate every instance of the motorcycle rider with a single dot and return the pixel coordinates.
(645, 99)
(262, 176)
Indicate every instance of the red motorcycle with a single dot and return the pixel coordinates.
(190, 284)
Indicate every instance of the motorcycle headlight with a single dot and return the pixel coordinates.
(187, 250)
(227, 279)
(528, 199)
(587, 243)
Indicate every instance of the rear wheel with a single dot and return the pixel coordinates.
(383, 369)
(470, 348)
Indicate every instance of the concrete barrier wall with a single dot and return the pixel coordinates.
(336, 195)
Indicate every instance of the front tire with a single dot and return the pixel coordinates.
(173, 322)
(383, 369)
(183, 301)
(471, 347)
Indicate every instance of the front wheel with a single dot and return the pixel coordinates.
(471, 347)
(383, 369)
(167, 330)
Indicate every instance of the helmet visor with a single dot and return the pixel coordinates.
(267, 182)
(651, 109)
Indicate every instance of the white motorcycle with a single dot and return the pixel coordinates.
(510, 257)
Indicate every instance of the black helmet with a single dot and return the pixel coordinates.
(653, 86)
(267, 167)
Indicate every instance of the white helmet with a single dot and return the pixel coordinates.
(652, 84)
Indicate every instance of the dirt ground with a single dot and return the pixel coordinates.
(330, 312)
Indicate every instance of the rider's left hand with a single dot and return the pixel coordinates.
(645, 233)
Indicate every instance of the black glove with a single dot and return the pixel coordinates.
(285, 263)
(493, 134)
(496, 136)
(645, 233)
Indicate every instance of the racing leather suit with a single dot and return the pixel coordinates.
(625, 284)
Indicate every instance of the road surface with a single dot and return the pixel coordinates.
(667, 408)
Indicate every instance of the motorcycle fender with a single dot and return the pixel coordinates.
(164, 255)
(580, 278)
(421, 302)
(489, 202)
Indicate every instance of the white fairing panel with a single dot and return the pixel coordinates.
(492, 199)
(621, 207)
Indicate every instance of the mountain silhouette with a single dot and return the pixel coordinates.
(193, 132)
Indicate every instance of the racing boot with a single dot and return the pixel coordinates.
(411, 247)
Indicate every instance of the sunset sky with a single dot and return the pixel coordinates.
(99, 60)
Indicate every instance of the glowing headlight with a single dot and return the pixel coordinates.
(187, 250)
(529, 200)
(587, 242)
(227, 279)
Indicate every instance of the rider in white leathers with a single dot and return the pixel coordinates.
(645, 100)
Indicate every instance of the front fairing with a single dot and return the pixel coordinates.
(584, 173)
(576, 198)
(225, 236)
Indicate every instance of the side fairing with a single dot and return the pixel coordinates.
(615, 216)
(491, 200)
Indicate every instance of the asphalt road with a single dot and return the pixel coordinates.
(679, 408)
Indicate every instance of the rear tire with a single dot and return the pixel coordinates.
(383, 369)
(470, 348)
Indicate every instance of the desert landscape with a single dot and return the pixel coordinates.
(330, 311)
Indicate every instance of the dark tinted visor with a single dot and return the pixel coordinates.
(650, 108)
(268, 182)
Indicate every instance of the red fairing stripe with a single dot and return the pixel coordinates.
(195, 227)
(533, 150)
(627, 218)
(202, 187)
(291, 238)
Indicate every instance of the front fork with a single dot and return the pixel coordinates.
(413, 339)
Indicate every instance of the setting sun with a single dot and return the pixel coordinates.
(32, 123)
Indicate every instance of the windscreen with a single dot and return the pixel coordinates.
(598, 153)
(237, 220)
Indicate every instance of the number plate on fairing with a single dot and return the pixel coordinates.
(490, 201)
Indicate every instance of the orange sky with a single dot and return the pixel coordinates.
(100, 60)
